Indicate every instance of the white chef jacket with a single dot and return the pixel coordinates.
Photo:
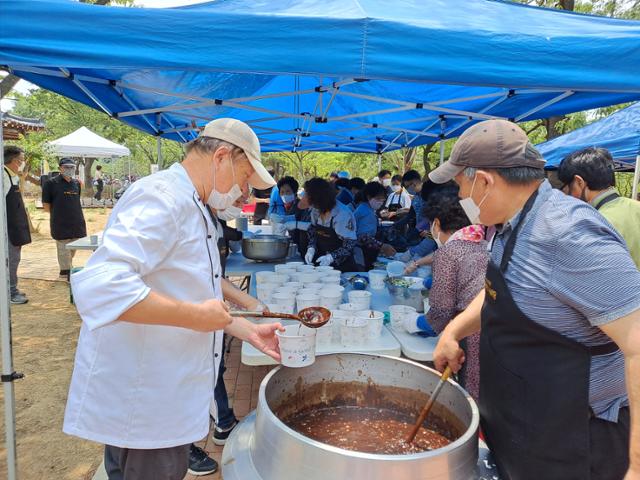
(146, 386)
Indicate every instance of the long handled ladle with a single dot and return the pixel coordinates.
(312, 317)
(427, 408)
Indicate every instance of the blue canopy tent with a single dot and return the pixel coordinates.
(341, 75)
(619, 133)
(330, 75)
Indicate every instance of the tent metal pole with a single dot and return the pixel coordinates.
(379, 161)
(8, 374)
(159, 148)
(442, 151)
(636, 179)
(546, 104)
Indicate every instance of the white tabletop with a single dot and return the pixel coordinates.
(412, 346)
(85, 243)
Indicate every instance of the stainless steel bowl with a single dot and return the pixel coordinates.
(265, 248)
(413, 297)
(273, 451)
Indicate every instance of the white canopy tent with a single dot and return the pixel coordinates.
(85, 143)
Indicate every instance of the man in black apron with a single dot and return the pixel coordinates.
(17, 221)
(547, 410)
(61, 198)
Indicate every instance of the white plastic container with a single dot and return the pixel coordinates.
(295, 285)
(349, 307)
(294, 265)
(266, 277)
(305, 300)
(354, 332)
(362, 298)
(376, 279)
(315, 286)
(284, 268)
(297, 346)
(324, 269)
(375, 320)
(330, 279)
(285, 301)
(324, 334)
(330, 298)
(399, 313)
(280, 278)
(304, 268)
(265, 290)
(310, 277)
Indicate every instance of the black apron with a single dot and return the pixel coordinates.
(328, 241)
(534, 387)
(394, 207)
(17, 221)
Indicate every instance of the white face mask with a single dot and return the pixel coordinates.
(436, 238)
(222, 201)
(470, 207)
(386, 182)
(376, 204)
(230, 213)
(287, 198)
(21, 167)
(396, 188)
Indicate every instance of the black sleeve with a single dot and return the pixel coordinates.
(47, 193)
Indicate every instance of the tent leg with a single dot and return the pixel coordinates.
(636, 179)
(5, 333)
(441, 151)
(159, 148)
(379, 162)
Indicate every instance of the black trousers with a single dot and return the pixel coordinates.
(609, 447)
(157, 464)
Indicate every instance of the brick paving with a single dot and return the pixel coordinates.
(242, 384)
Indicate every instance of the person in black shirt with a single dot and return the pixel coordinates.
(61, 198)
(262, 198)
(17, 221)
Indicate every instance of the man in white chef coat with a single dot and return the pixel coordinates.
(150, 299)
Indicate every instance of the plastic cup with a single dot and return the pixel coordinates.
(349, 307)
(330, 298)
(377, 278)
(354, 332)
(304, 268)
(297, 346)
(399, 313)
(286, 269)
(375, 320)
(281, 278)
(324, 334)
(395, 269)
(265, 277)
(286, 301)
(265, 290)
(324, 268)
(310, 277)
(330, 279)
(315, 286)
(361, 298)
(294, 265)
(305, 300)
(295, 285)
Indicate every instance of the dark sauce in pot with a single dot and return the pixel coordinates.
(366, 429)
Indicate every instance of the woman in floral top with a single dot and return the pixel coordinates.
(459, 267)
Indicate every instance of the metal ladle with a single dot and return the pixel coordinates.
(312, 317)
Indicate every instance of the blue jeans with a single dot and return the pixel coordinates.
(226, 417)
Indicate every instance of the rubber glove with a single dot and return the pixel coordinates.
(325, 260)
(308, 258)
(275, 218)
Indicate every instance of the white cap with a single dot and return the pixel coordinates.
(242, 136)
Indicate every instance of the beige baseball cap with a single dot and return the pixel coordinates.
(489, 144)
(241, 135)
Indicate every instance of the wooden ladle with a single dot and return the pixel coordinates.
(312, 317)
(427, 408)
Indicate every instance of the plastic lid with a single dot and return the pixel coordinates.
(395, 269)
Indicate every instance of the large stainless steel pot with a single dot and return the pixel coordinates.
(264, 448)
(266, 248)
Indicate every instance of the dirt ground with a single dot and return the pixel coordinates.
(45, 333)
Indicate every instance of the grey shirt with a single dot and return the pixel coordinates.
(571, 272)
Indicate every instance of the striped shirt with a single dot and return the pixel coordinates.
(571, 272)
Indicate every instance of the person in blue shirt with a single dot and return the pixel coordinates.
(369, 244)
(344, 195)
(275, 203)
(356, 185)
(332, 233)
